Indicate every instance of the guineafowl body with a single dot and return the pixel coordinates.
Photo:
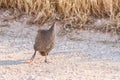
(44, 41)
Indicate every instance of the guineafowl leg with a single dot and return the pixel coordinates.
(33, 56)
(45, 58)
(29, 62)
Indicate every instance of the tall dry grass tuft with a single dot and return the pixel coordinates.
(75, 13)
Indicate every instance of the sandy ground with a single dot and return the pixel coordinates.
(79, 55)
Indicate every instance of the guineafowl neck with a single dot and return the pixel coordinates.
(52, 27)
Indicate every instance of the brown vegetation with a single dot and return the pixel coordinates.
(75, 13)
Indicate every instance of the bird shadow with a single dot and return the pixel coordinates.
(11, 62)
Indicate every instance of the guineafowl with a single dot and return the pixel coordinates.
(44, 42)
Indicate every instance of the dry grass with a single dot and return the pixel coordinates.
(75, 13)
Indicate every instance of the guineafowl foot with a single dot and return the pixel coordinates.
(28, 62)
(46, 61)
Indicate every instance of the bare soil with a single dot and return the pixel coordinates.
(79, 55)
